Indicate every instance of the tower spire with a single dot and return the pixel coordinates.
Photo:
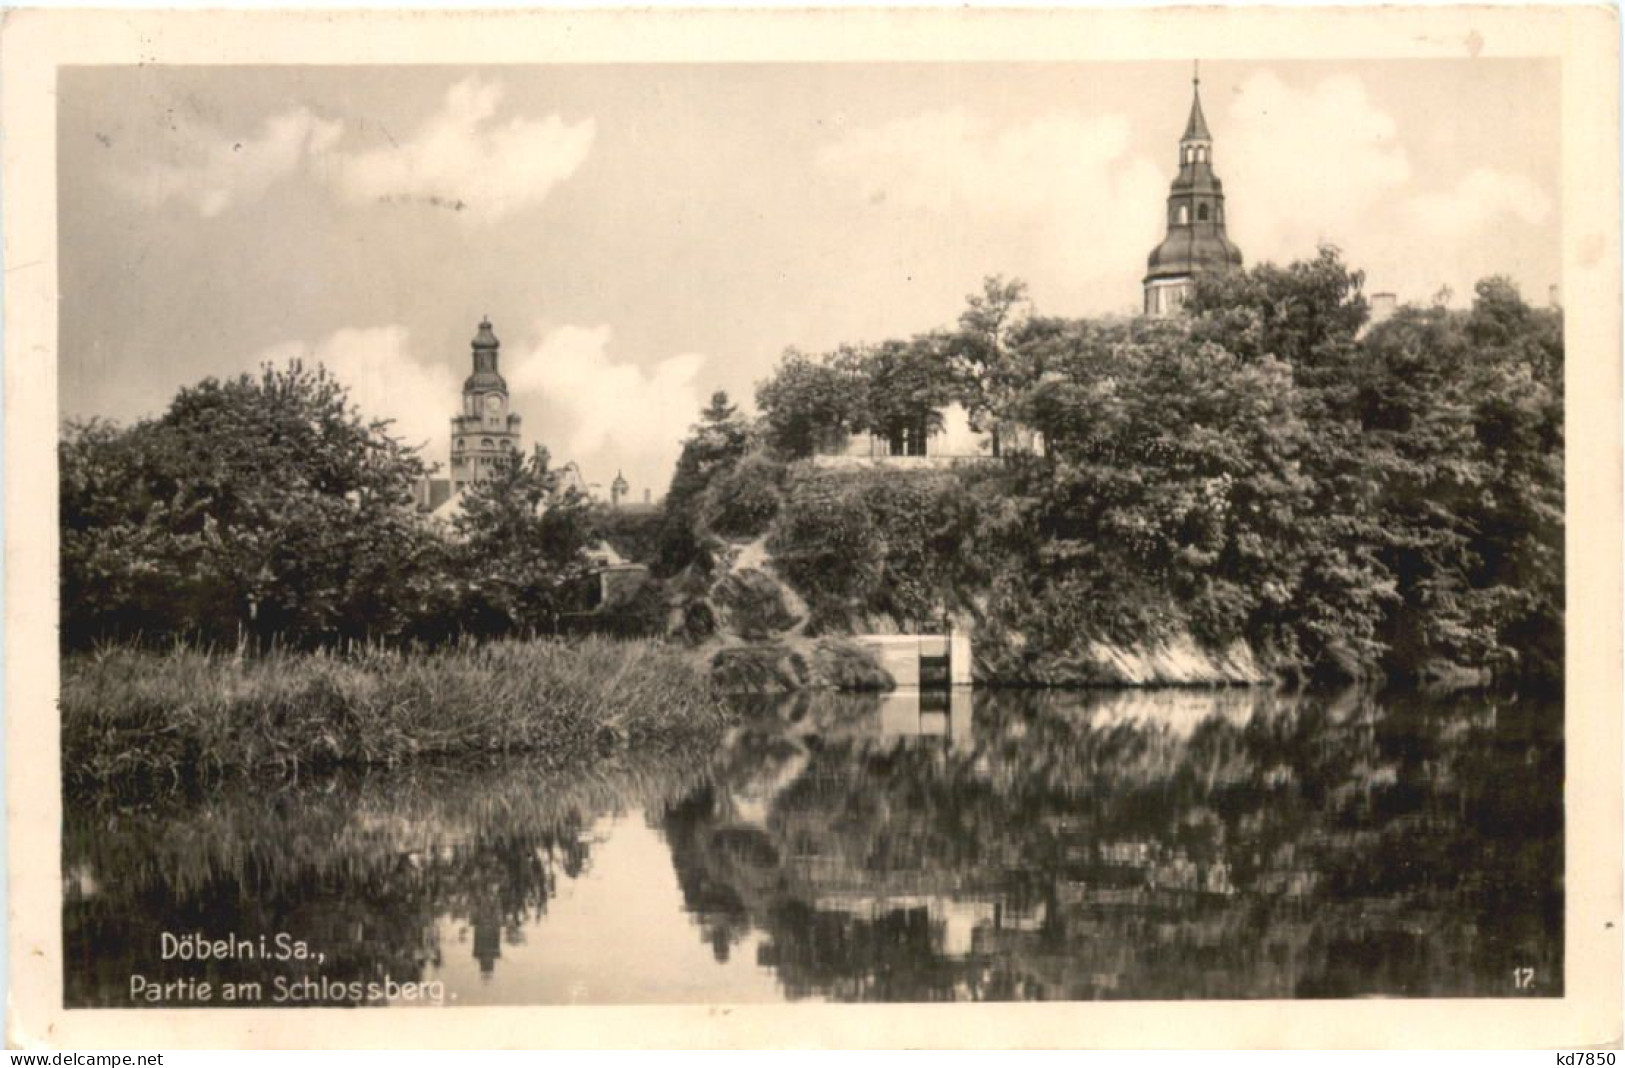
(485, 434)
(1196, 126)
(1196, 242)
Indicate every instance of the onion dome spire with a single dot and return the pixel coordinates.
(1195, 240)
(486, 346)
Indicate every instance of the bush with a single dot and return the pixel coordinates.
(882, 543)
(743, 501)
(826, 546)
(758, 669)
(754, 604)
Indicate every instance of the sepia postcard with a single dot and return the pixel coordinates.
(813, 528)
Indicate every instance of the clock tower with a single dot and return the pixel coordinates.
(485, 432)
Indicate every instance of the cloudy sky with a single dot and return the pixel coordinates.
(642, 235)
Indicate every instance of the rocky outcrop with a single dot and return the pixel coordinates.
(765, 669)
(752, 604)
(755, 625)
(1175, 661)
(842, 664)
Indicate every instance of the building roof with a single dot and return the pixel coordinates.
(1196, 126)
(1190, 249)
(450, 508)
(481, 381)
(485, 376)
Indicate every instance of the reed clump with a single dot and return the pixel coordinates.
(192, 715)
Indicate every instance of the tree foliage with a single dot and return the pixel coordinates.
(713, 445)
(1266, 466)
(809, 400)
(267, 508)
(259, 505)
(894, 390)
(519, 554)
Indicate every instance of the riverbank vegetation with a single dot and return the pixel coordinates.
(266, 508)
(1268, 469)
(1350, 499)
(190, 716)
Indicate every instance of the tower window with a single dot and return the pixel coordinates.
(1201, 213)
(1184, 214)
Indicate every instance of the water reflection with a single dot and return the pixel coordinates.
(1168, 844)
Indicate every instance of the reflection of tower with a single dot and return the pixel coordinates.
(487, 938)
(1196, 240)
(486, 433)
(617, 490)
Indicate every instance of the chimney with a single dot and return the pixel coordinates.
(1383, 306)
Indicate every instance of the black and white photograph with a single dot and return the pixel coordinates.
(759, 529)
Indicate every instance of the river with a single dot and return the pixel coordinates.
(1158, 844)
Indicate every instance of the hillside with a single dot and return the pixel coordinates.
(1266, 485)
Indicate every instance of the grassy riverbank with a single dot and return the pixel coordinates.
(190, 715)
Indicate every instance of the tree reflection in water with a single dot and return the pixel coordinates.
(1135, 845)
(995, 846)
(364, 868)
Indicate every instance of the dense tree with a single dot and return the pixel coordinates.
(809, 400)
(1265, 466)
(713, 445)
(984, 353)
(128, 549)
(1307, 313)
(1462, 414)
(908, 384)
(895, 390)
(257, 505)
(521, 538)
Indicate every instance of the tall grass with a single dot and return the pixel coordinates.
(191, 715)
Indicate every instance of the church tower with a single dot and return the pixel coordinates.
(1196, 240)
(486, 431)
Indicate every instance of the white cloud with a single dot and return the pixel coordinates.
(1483, 198)
(1070, 178)
(574, 396)
(461, 157)
(614, 413)
(1305, 166)
(385, 381)
(216, 172)
(953, 160)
